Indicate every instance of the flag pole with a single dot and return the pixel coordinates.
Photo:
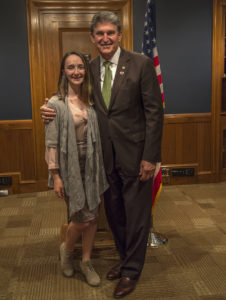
(149, 48)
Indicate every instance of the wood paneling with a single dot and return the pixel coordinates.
(187, 142)
(17, 153)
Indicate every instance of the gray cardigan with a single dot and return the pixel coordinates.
(61, 133)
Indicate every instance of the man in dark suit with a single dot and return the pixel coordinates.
(130, 116)
(131, 130)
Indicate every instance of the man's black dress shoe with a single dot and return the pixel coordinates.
(125, 286)
(114, 273)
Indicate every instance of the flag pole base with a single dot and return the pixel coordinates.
(156, 240)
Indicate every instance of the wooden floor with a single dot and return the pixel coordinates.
(191, 266)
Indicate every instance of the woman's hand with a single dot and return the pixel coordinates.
(58, 184)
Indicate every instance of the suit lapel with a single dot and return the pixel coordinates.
(120, 75)
(97, 81)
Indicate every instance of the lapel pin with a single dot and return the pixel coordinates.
(121, 73)
(123, 67)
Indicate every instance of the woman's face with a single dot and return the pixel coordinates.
(74, 70)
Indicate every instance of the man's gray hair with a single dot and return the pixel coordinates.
(105, 17)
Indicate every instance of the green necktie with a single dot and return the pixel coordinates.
(106, 89)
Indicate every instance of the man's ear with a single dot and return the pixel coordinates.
(120, 36)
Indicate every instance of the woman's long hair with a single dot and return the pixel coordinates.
(86, 87)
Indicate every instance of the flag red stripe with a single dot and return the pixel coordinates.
(160, 79)
(156, 185)
(156, 61)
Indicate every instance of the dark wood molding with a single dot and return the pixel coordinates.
(15, 124)
(187, 118)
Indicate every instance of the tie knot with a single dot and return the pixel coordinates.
(107, 64)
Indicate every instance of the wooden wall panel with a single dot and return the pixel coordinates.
(17, 153)
(187, 142)
(169, 139)
(204, 147)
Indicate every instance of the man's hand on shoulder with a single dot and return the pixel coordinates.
(147, 170)
(47, 114)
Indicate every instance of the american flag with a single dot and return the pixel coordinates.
(149, 48)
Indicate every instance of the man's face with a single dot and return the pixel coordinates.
(106, 38)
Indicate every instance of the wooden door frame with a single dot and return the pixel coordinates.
(217, 73)
(35, 9)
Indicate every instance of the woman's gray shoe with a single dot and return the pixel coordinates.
(90, 274)
(66, 261)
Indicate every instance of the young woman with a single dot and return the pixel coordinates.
(74, 158)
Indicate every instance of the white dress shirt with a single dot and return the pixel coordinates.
(114, 63)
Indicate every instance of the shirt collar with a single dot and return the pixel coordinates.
(115, 58)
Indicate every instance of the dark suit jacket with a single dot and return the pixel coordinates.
(133, 123)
